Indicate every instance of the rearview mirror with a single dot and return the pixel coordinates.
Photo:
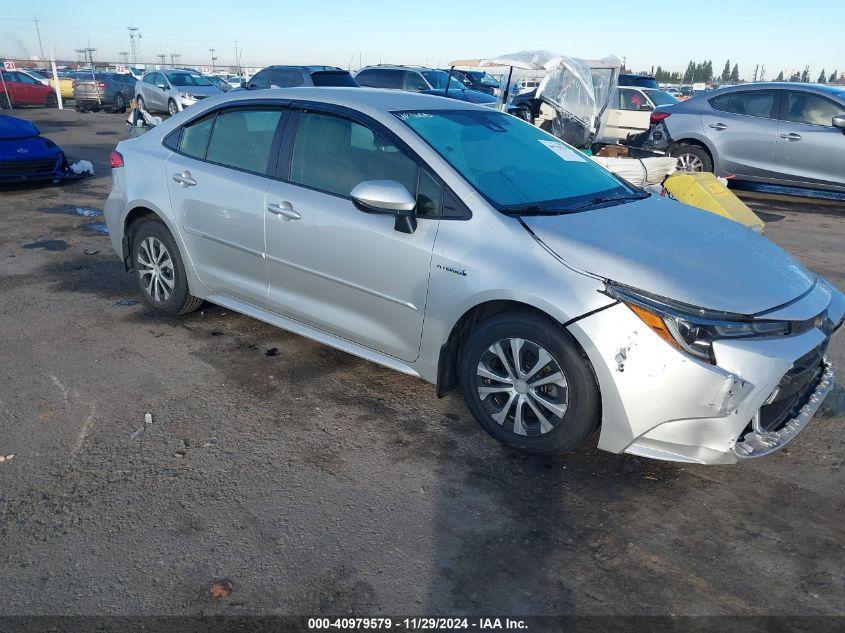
(388, 197)
(839, 121)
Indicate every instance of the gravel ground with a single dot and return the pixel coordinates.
(319, 483)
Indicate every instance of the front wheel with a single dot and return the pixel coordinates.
(529, 384)
(160, 271)
(139, 101)
(172, 108)
(119, 103)
(51, 101)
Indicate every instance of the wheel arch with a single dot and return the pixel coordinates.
(136, 214)
(689, 140)
(447, 363)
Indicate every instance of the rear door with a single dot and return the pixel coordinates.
(810, 151)
(334, 266)
(634, 112)
(217, 180)
(742, 128)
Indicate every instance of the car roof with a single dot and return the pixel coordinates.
(367, 100)
(781, 85)
(397, 67)
(310, 69)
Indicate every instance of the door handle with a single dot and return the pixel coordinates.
(719, 126)
(285, 210)
(185, 179)
(792, 136)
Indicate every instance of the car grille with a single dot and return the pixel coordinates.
(27, 167)
(793, 390)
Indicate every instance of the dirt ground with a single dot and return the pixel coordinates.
(318, 483)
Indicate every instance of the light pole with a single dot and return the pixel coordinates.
(213, 59)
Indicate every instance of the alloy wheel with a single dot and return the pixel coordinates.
(522, 386)
(689, 163)
(155, 267)
(172, 107)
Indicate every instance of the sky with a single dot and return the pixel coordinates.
(777, 34)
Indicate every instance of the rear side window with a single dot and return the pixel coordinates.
(333, 78)
(414, 82)
(243, 139)
(632, 100)
(286, 78)
(380, 78)
(759, 103)
(335, 155)
(194, 137)
(803, 107)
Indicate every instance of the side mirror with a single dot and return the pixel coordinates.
(162, 86)
(839, 121)
(388, 197)
(243, 85)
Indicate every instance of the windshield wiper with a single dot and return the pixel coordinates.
(533, 209)
(605, 199)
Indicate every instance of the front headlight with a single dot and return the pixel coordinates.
(692, 329)
(186, 95)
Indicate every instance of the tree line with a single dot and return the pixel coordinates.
(702, 72)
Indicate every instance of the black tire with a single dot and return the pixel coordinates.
(139, 101)
(51, 101)
(692, 154)
(5, 104)
(581, 415)
(172, 108)
(525, 114)
(119, 103)
(179, 301)
(79, 107)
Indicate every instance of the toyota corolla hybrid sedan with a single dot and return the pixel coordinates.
(461, 245)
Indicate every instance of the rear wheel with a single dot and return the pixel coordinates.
(692, 158)
(119, 103)
(529, 384)
(51, 101)
(160, 271)
(172, 108)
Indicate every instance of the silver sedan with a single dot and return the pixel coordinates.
(469, 248)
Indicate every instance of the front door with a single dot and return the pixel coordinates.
(810, 151)
(218, 181)
(333, 266)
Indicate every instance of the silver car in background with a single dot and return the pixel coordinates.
(788, 134)
(172, 91)
(466, 247)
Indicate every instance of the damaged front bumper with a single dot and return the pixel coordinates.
(660, 403)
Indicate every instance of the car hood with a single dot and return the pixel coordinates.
(470, 96)
(13, 127)
(676, 251)
(200, 91)
(26, 149)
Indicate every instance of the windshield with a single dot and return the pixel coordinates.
(187, 79)
(661, 97)
(515, 166)
(437, 79)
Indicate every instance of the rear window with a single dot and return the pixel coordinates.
(380, 78)
(339, 78)
(243, 139)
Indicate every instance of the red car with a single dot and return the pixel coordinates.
(19, 89)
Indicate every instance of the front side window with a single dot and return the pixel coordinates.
(759, 103)
(414, 82)
(438, 79)
(334, 154)
(194, 138)
(243, 139)
(150, 79)
(803, 107)
(514, 165)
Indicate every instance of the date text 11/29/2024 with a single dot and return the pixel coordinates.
(419, 624)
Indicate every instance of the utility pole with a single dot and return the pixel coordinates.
(213, 58)
(756, 68)
(237, 60)
(763, 73)
(162, 59)
(174, 59)
(124, 57)
(134, 32)
(38, 30)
